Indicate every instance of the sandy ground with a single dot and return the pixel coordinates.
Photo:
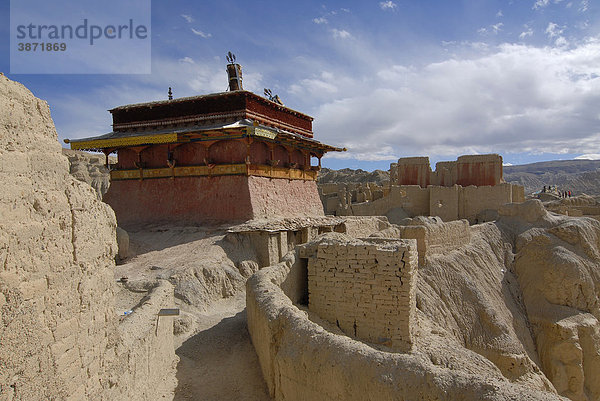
(217, 359)
(218, 362)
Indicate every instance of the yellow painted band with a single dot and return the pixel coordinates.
(217, 170)
(127, 141)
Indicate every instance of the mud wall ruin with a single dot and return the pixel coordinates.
(301, 360)
(448, 203)
(433, 239)
(272, 242)
(60, 335)
(463, 189)
(365, 288)
(478, 170)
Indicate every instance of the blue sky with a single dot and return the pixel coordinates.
(384, 79)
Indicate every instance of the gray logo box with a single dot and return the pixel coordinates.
(80, 37)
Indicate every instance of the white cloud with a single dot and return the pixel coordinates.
(553, 30)
(320, 20)
(583, 7)
(543, 3)
(187, 60)
(341, 34)
(491, 29)
(589, 156)
(202, 34)
(514, 98)
(320, 86)
(388, 5)
(524, 34)
(499, 14)
(507, 164)
(561, 42)
(188, 18)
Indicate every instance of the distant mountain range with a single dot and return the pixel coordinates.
(347, 175)
(578, 176)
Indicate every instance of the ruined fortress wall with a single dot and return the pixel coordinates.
(413, 171)
(479, 170)
(147, 348)
(518, 193)
(443, 202)
(412, 198)
(468, 170)
(361, 226)
(448, 203)
(59, 331)
(473, 200)
(365, 288)
(272, 197)
(415, 200)
(329, 188)
(301, 360)
(438, 238)
(446, 174)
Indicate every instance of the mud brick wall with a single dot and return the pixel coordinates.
(366, 288)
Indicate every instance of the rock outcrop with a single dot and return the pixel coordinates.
(556, 263)
(89, 168)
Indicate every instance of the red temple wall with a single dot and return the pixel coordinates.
(259, 153)
(190, 154)
(299, 158)
(280, 153)
(197, 200)
(228, 152)
(126, 159)
(222, 152)
(184, 199)
(155, 156)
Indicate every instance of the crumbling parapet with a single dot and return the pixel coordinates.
(478, 170)
(365, 287)
(272, 240)
(434, 237)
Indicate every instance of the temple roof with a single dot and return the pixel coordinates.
(195, 133)
(216, 108)
(201, 97)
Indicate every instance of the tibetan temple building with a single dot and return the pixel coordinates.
(223, 157)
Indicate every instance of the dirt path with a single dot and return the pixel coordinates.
(218, 362)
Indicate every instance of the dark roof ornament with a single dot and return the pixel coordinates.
(269, 95)
(230, 57)
(234, 72)
(170, 94)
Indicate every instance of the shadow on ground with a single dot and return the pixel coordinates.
(220, 363)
